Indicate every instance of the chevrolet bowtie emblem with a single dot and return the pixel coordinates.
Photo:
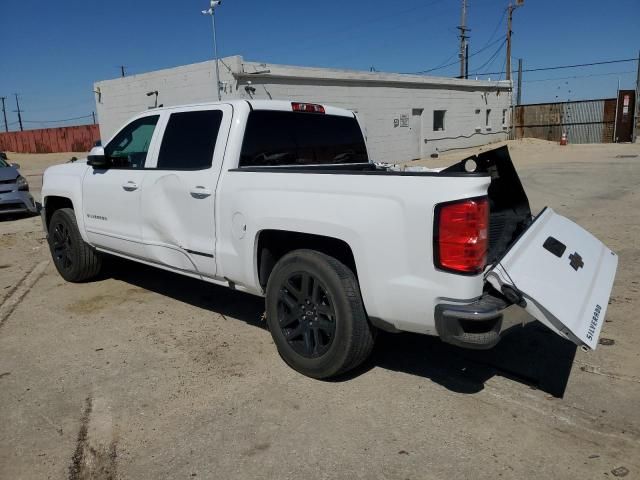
(576, 261)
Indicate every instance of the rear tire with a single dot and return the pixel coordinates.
(316, 315)
(75, 260)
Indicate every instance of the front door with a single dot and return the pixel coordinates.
(178, 195)
(111, 196)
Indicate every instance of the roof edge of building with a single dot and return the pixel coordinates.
(270, 70)
(240, 68)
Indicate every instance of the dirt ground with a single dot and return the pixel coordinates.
(144, 374)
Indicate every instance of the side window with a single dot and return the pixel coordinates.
(130, 146)
(189, 140)
(438, 120)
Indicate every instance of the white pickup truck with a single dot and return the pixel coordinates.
(280, 199)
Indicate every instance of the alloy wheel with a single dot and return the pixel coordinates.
(62, 246)
(306, 315)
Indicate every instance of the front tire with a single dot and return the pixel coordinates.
(75, 260)
(316, 315)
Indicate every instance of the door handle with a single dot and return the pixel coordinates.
(200, 192)
(130, 186)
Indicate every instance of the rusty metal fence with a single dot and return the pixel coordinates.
(586, 121)
(50, 140)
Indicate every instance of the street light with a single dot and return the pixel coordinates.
(212, 11)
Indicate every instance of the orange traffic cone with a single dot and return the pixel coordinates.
(563, 139)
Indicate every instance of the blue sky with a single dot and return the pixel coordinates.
(52, 52)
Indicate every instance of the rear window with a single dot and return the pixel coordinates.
(275, 138)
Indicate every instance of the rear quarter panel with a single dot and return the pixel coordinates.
(387, 221)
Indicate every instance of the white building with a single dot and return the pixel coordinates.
(405, 116)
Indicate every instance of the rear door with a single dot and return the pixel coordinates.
(564, 275)
(178, 195)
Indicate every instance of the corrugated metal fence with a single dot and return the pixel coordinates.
(587, 121)
(50, 140)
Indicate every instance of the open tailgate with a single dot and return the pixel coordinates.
(564, 275)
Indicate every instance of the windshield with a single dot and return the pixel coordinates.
(3, 163)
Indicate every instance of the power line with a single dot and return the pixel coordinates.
(504, 14)
(492, 58)
(56, 121)
(559, 67)
(66, 105)
(441, 64)
(579, 76)
(501, 39)
(503, 64)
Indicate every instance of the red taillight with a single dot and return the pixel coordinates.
(307, 107)
(461, 239)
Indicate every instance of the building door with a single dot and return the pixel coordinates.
(624, 120)
(416, 131)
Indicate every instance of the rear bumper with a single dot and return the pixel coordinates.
(17, 202)
(476, 325)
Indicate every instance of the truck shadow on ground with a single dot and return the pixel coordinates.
(531, 355)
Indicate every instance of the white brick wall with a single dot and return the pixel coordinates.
(381, 101)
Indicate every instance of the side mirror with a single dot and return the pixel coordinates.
(97, 159)
(15, 165)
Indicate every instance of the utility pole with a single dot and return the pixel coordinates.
(510, 10)
(519, 98)
(4, 114)
(615, 123)
(636, 111)
(466, 61)
(463, 41)
(19, 112)
(212, 11)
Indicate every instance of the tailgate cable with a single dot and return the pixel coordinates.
(513, 294)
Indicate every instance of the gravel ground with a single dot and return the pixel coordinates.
(144, 374)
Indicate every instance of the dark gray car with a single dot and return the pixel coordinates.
(14, 189)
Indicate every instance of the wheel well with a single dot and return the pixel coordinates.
(274, 244)
(52, 204)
